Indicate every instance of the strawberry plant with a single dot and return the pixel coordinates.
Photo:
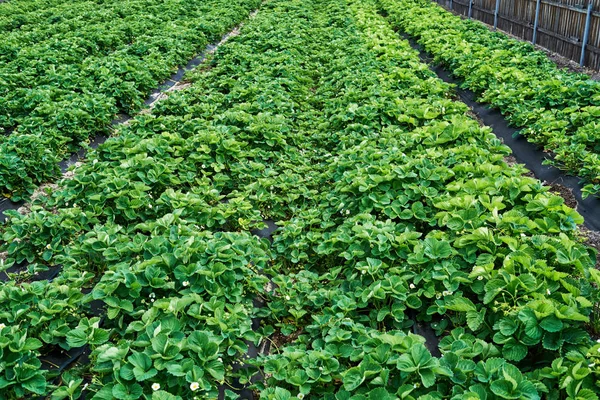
(409, 260)
(68, 70)
(554, 108)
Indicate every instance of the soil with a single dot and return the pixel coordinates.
(181, 83)
(592, 239)
(512, 162)
(279, 339)
(565, 193)
(44, 188)
(570, 65)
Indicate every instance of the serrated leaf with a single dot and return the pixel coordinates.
(353, 378)
(437, 249)
(504, 389)
(514, 351)
(475, 319)
(460, 304)
(77, 338)
(551, 324)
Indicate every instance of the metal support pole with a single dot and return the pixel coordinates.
(537, 19)
(470, 8)
(496, 14)
(451, 4)
(586, 32)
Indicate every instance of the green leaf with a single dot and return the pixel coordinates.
(507, 326)
(514, 351)
(475, 319)
(551, 324)
(437, 248)
(162, 395)
(380, 394)
(77, 337)
(132, 391)
(140, 360)
(505, 389)
(353, 378)
(32, 344)
(552, 341)
(201, 343)
(427, 377)
(461, 304)
(36, 384)
(413, 301)
(492, 288)
(99, 336)
(104, 394)
(216, 369)
(586, 394)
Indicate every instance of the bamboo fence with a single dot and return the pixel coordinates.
(562, 26)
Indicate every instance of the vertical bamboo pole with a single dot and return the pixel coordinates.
(586, 33)
(537, 19)
(496, 14)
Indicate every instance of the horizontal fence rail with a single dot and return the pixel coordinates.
(570, 28)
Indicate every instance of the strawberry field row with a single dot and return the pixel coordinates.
(396, 211)
(556, 109)
(67, 69)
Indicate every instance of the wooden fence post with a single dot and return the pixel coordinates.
(586, 33)
(496, 14)
(535, 23)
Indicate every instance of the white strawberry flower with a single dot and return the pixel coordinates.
(185, 283)
(2, 326)
(412, 286)
(156, 386)
(194, 386)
